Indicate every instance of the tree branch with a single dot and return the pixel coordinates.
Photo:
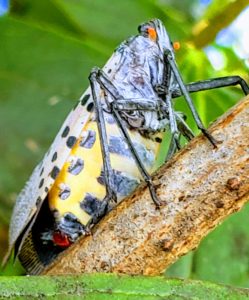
(200, 187)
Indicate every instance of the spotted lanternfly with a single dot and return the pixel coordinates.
(108, 143)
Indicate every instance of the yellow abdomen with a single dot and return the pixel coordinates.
(81, 180)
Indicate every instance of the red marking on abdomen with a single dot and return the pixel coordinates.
(60, 239)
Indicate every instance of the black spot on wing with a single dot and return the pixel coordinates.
(92, 205)
(54, 157)
(88, 139)
(101, 178)
(38, 201)
(41, 183)
(71, 141)
(76, 166)
(124, 185)
(55, 172)
(90, 107)
(65, 191)
(85, 99)
(42, 170)
(146, 155)
(158, 139)
(65, 131)
(119, 146)
(70, 225)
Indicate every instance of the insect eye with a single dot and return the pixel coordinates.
(139, 28)
(147, 31)
(152, 33)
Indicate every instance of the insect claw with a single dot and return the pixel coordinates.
(88, 231)
(111, 196)
(114, 197)
(153, 194)
(210, 138)
(176, 138)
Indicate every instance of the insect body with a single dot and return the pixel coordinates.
(106, 146)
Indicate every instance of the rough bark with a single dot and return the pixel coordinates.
(200, 187)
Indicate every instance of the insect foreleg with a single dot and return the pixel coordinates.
(183, 127)
(108, 171)
(170, 60)
(105, 82)
(175, 134)
(179, 125)
(140, 165)
(213, 83)
(173, 146)
(183, 130)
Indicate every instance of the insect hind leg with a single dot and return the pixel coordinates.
(108, 171)
(170, 60)
(214, 83)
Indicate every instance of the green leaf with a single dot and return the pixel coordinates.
(224, 255)
(183, 267)
(104, 21)
(107, 286)
(46, 14)
(92, 20)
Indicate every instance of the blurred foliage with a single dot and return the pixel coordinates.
(47, 50)
(218, 15)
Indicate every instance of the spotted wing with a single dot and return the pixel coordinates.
(44, 175)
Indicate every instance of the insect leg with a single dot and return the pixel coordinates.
(140, 165)
(104, 81)
(179, 125)
(108, 171)
(183, 127)
(175, 134)
(214, 83)
(173, 146)
(170, 60)
(182, 130)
